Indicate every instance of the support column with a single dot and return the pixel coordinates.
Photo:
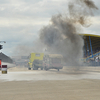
(91, 46)
(87, 47)
(84, 47)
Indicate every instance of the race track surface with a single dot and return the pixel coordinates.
(67, 84)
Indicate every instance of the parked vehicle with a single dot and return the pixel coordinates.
(35, 61)
(52, 61)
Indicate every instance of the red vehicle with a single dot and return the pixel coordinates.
(53, 61)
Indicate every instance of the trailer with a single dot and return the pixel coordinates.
(52, 61)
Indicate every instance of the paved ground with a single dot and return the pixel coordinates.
(22, 74)
(21, 84)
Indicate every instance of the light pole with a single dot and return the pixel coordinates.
(1, 46)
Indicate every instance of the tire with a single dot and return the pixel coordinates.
(29, 68)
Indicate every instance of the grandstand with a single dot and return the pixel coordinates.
(92, 49)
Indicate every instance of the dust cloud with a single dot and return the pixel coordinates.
(61, 37)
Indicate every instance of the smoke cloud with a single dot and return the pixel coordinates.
(61, 37)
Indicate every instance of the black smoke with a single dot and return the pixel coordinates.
(61, 35)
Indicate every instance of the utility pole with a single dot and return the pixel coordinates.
(1, 46)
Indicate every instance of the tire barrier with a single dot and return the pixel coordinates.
(4, 69)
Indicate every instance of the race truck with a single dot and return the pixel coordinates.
(52, 61)
(36, 61)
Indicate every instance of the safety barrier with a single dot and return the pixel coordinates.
(4, 69)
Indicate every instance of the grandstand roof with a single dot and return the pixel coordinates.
(92, 35)
(95, 42)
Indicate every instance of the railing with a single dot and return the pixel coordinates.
(94, 55)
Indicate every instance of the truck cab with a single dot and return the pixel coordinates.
(36, 61)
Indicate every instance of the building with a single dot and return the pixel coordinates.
(92, 48)
(5, 58)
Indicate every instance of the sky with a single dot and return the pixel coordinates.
(21, 21)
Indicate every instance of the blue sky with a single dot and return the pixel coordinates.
(21, 20)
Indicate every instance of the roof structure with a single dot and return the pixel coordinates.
(92, 35)
(5, 58)
(91, 45)
(95, 42)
